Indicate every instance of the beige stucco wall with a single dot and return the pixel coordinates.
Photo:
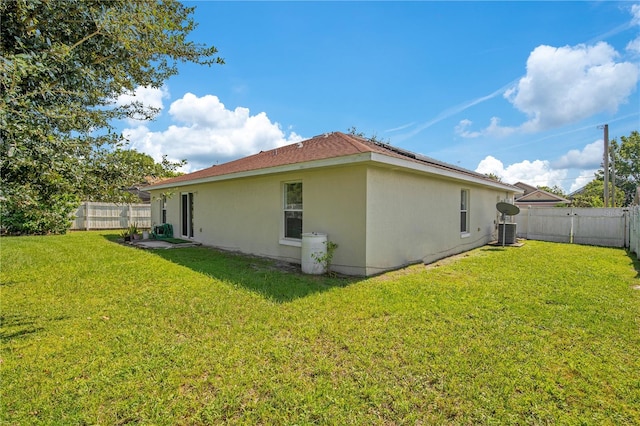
(381, 217)
(411, 218)
(247, 214)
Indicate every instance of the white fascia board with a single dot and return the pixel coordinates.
(341, 161)
(327, 162)
(550, 197)
(451, 174)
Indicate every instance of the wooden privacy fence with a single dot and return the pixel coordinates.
(634, 230)
(610, 227)
(93, 215)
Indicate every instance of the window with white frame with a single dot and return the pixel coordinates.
(464, 211)
(293, 210)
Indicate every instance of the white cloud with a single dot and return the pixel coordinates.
(585, 177)
(564, 85)
(150, 97)
(633, 46)
(547, 173)
(536, 173)
(635, 12)
(461, 129)
(589, 157)
(490, 164)
(453, 111)
(567, 84)
(209, 133)
(494, 129)
(140, 138)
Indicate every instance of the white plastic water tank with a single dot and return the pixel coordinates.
(314, 246)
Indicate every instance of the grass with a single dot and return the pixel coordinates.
(97, 333)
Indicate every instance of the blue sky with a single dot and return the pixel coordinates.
(513, 88)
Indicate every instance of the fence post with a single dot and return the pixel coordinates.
(627, 228)
(572, 214)
(86, 215)
(634, 230)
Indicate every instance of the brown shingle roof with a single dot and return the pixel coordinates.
(328, 145)
(325, 146)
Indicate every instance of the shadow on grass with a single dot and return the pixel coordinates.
(278, 281)
(15, 326)
(635, 262)
(114, 238)
(494, 248)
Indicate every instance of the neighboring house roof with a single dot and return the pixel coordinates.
(326, 150)
(525, 187)
(536, 196)
(143, 194)
(578, 191)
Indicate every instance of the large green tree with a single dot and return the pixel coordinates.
(555, 189)
(624, 166)
(63, 64)
(592, 195)
(109, 175)
(625, 156)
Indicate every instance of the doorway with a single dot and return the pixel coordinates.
(187, 214)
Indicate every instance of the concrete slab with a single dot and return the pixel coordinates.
(499, 244)
(153, 244)
(161, 244)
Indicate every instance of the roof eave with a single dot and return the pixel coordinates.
(555, 198)
(326, 162)
(346, 160)
(451, 174)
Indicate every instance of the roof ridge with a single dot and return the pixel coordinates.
(546, 192)
(324, 146)
(356, 141)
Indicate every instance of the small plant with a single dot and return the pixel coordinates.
(133, 229)
(131, 233)
(326, 258)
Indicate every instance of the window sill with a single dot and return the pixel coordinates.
(290, 242)
(465, 235)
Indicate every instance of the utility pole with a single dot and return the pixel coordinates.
(613, 180)
(606, 165)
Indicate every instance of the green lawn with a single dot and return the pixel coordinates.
(97, 333)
